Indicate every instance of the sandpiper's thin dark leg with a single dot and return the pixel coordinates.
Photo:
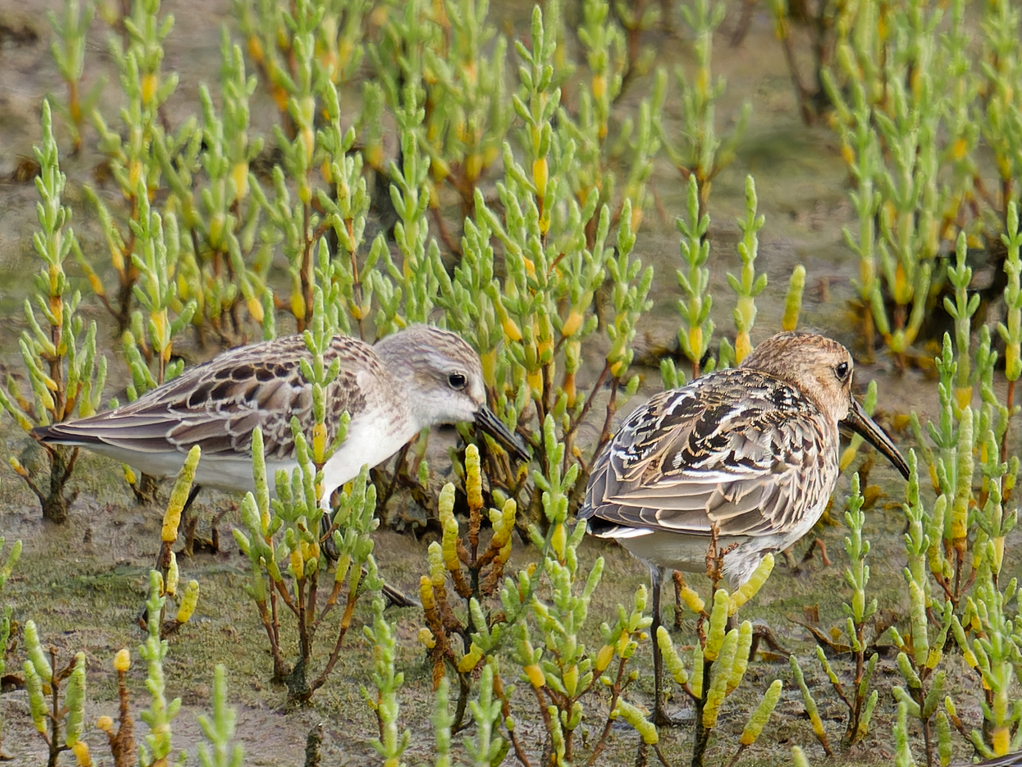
(326, 523)
(188, 525)
(191, 498)
(394, 597)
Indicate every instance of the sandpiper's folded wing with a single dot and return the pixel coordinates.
(699, 457)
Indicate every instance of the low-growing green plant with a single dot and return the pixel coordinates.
(52, 712)
(991, 649)
(637, 19)
(222, 267)
(961, 438)
(272, 36)
(699, 151)
(531, 328)
(218, 728)
(695, 333)
(812, 708)
(149, 339)
(564, 674)
(798, 757)
(859, 631)
(719, 658)
(912, 98)
(543, 635)
(58, 352)
(130, 149)
(282, 543)
(997, 107)
(71, 29)
(1010, 329)
(161, 712)
(166, 561)
(748, 285)
(387, 681)
(9, 561)
(282, 538)
(474, 574)
(468, 112)
(486, 747)
(613, 160)
(921, 650)
(145, 244)
(295, 224)
(828, 19)
(148, 343)
(955, 548)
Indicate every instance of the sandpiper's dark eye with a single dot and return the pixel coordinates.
(842, 371)
(457, 381)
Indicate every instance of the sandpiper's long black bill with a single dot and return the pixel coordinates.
(862, 424)
(487, 420)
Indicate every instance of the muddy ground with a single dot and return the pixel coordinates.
(83, 583)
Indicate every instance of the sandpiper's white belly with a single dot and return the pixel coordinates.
(372, 438)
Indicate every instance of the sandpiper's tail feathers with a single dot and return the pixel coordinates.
(61, 434)
(139, 433)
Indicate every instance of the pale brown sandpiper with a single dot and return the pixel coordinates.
(406, 382)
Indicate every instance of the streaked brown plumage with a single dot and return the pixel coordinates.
(752, 450)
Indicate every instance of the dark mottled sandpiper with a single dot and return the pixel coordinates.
(751, 452)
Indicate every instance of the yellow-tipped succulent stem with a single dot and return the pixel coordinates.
(722, 669)
(122, 661)
(473, 478)
(647, 731)
(762, 714)
(718, 624)
(81, 751)
(178, 497)
(188, 602)
(173, 575)
(672, 661)
(692, 600)
(751, 587)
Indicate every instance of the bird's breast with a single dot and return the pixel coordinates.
(372, 438)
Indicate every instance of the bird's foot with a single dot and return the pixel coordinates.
(818, 544)
(796, 567)
(195, 543)
(765, 635)
(144, 489)
(198, 544)
(661, 718)
(214, 528)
